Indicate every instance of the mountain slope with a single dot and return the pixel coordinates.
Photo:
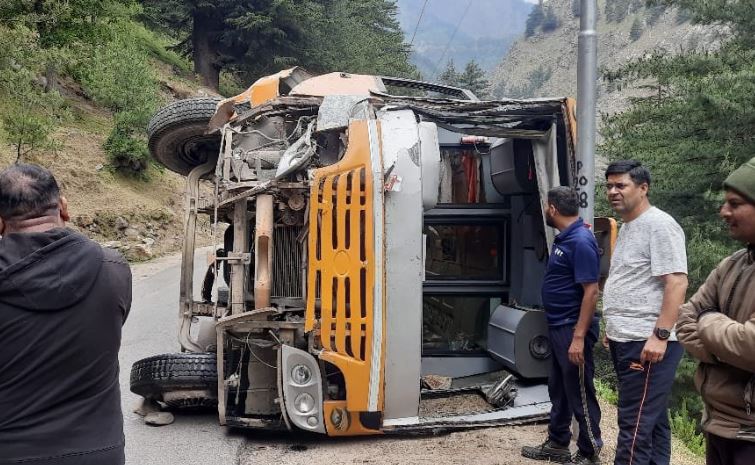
(546, 63)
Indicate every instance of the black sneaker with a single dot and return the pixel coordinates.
(548, 450)
(583, 459)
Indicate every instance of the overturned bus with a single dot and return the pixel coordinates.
(375, 252)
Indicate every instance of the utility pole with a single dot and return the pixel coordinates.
(587, 77)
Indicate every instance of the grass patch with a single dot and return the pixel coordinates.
(158, 46)
(685, 428)
(606, 392)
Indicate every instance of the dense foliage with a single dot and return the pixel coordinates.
(692, 129)
(252, 38)
(104, 47)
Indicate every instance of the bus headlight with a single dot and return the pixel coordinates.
(304, 403)
(301, 374)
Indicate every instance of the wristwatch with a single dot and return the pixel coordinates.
(662, 333)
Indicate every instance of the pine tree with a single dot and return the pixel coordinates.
(636, 31)
(257, 37)
(635, 6)
(473, 78)
(654, 13)
(450, 76)
(551, 21)
(620, 11)
(30, 115)
(576, 8)
(534, 20)
(609, 8)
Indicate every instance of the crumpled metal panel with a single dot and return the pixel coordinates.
(336, 110)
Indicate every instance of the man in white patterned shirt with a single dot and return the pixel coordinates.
(645, 287)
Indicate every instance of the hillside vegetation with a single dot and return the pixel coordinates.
(677, 92)
(80, 79)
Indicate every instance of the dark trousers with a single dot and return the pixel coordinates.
(724, 451)
(572, 391)
(644, 431)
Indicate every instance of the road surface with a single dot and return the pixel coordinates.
(151, 329)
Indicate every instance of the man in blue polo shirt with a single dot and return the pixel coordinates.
(570, 294)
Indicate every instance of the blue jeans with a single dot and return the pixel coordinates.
(644, 431)
(572, 391)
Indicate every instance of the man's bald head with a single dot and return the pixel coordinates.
(27, 191)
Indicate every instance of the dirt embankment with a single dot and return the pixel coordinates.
(141, 218)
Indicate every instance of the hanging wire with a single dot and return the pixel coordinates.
(422, 12)
(456, 29)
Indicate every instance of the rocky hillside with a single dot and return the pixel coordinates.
(545, 64)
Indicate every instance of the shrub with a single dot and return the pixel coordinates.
(126, 146)
(606, 392)
(636, 31)
(551, 21)
(685, 428)
(118, 75)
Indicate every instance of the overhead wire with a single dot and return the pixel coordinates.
(456, 29)
(416, 27)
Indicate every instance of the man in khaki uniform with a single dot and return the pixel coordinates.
(717, 327)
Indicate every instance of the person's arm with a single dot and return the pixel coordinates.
(705, 298)
(728, 340)
(586, 265)
(668, 262)
(586, 313)
(675, 286)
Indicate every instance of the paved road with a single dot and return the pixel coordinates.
(150, 330)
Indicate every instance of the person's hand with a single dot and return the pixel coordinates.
(577, 350)
(654, 350)
(605, 341)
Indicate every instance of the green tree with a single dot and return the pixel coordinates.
(654, 12)
(609, 9)
(370, 39)
(450, 76)
(29, 115)
(551, 21)
(694, 126)
(534, 20)
(473, 78)
(257, 37)
(635, 6)
(576, 8)
(636, 30)
(61, 24)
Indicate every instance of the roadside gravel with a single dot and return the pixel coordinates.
(491, 446)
